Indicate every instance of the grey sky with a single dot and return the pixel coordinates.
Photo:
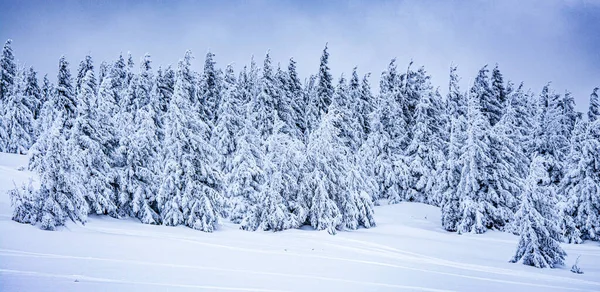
(533, 41)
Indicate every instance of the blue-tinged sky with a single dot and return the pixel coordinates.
(535, 41)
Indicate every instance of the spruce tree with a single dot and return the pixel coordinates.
(18, 119)
(490, 98)
(594, 111)
(89, 140)
(425, 149)
(539, 235)
(297, 96)
(229, 121)
(247, 178)
(473, 186)
(8, 71)
(319, 102)
(190, 192)
(263, 105)
(209, 90)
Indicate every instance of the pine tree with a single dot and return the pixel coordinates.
(141, 151)
(499, 91)
(337, 200)
(425, 149)
(536, 219)
(581, 184)
(284, 104)
(59, 196)
(450, 177)
(8, 71)
(382, 154)
(18, 119)
(33, 93)
(84, 66)
(190, 192)
(229, 122)
(264, 104)
(490, 97)
(89, 140)
(209, 91)
(297, 96)
(594, 111)
(570, 187)
(319, 102)
(247, 178)
(473, 186)
(65, 95)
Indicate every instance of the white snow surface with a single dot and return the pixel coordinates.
(407, 251)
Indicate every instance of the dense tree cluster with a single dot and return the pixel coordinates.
(263, 149)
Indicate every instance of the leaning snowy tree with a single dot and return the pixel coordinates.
(190, 192)
(539, 240)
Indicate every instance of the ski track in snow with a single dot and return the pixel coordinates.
(384, 251)
(82, 278)
(16, 253)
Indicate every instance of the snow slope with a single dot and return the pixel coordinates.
(407, 251)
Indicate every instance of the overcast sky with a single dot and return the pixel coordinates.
(532, 41)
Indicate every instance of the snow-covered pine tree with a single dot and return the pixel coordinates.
(510, 164)
(473, 187)
(489, 97)
(90, 141)
(8, 71)
(263, 105)
(18, 119)
(298, 97)
(537, 220)
(365, 105)
(499, 91)
(139, 174)
(103, 71)
(382, 154)
(350, 127)
(569, 114)
(59, 195)
(33, 93)
(165, 84)
(190, 192)
(46, 114)
(84, 66)
(337, 201)
(425, 150)
(570, 186)
(594, 111)
(284, 166)
(549, 138)
(247, 177)
(129, 69)
(450, 177)
(229, 121)
(210, 90)
(65, 93)
(269, 207)
(319, 101)
(581, 184)
(284, 104)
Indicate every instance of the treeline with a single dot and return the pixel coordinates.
(270, 151)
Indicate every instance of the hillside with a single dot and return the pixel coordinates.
(407, 251)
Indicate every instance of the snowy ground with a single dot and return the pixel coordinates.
(407, 251)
